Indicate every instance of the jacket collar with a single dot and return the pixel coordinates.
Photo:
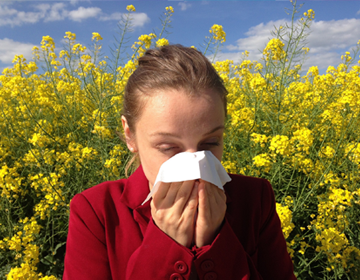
(136, 189)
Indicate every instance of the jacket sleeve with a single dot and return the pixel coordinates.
(159, 257)
(86, 254)
(226, 258)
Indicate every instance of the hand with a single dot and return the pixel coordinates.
(211, 213)
(173, 210)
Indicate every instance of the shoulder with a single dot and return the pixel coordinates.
(253, 195)
(114, 196)
(98, 199)
(105, 190)
(248, 179)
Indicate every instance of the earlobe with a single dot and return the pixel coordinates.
(128, 135)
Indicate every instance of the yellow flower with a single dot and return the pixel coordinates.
(280, 144)
(78, 48)
(306, 50)
(96, 37)
(285, 216)
(69, 35)
(144, 40)
(259, 139)
(131, 8)
(230, 167)
(274, 49)
(259, 67)
(327, 152)
(218, 33)
(162, 42)
(310, 14)
(169, 9)
(262, 160)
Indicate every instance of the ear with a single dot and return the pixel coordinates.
(129, 137)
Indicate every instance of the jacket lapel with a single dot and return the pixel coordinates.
(135, 192)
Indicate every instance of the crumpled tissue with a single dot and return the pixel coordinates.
(191, 166)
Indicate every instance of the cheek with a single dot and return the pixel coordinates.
(151, 163)
(218, 153)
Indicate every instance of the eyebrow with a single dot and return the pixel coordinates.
(178, 136)
(215, 129)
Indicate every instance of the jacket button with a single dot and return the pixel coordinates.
(207, 265)
(180, 267)
(176, 276)
(210, 276)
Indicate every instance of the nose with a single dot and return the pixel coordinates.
(191, 150)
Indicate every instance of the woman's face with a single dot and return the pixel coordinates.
(172, 122)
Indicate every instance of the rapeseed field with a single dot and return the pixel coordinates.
(60, 122)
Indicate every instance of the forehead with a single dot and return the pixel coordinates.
(181, 97)
(175, 108)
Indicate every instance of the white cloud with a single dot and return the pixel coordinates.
(326, 40)
(9, 48)
(73, 2)
(5, 11)
(42, 7)
(113, 16)
(58, 11)
(13, 17)
(334, 34)
(83, 13)
(257, 37)
(221, 56)
(139, 19)
(322, 60)
(184, 6)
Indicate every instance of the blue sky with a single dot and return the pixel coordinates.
(247, 24)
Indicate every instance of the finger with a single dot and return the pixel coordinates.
(220, 196)
(215, 194)
(213, 201)
(184, 191)
(217, 201)
(169, 199)
(185, 195)
(191, 209)
(192, 202)
(204, 202)
(176, 192)
(160, 193)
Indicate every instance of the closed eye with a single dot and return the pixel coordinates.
(164, 148)
(211, 144)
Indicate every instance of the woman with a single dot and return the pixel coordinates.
(175, 102)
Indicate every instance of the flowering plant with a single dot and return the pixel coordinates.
(300, 131)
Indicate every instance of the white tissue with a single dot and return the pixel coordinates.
(191, 166)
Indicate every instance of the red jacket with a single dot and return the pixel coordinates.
(111, 236)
